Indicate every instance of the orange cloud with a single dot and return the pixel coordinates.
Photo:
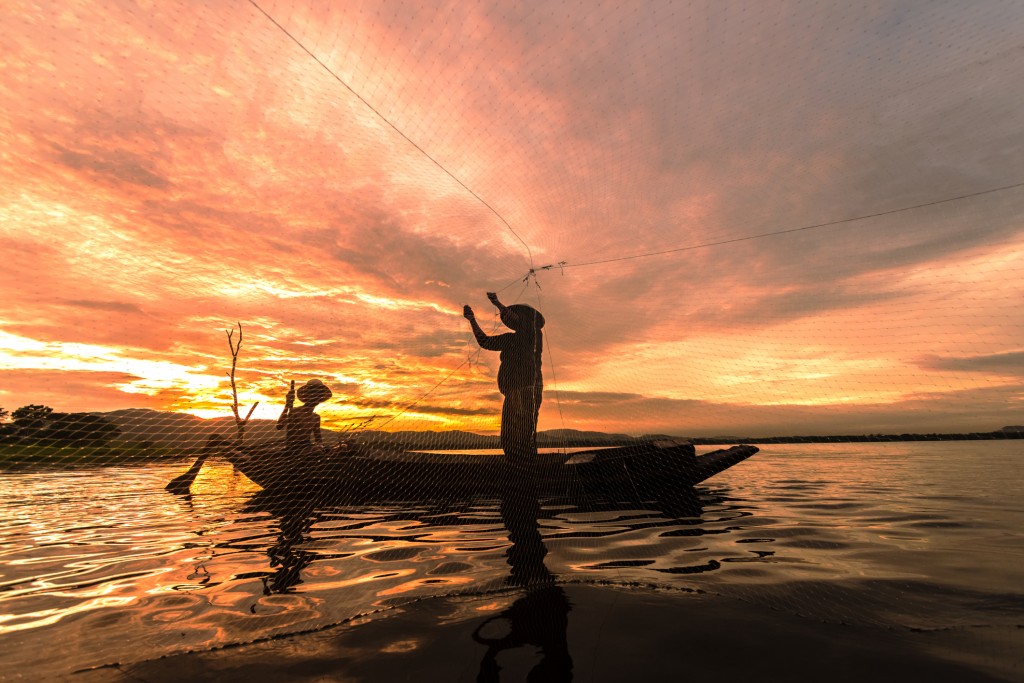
(164, 178)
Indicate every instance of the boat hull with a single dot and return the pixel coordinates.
(368, 473)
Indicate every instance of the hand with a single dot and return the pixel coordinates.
(493, 298)
(467, 312)
(290, 396)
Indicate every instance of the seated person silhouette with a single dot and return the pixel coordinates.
(302, 425)
(519, 376)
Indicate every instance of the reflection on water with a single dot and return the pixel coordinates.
(541, 616)
(894, 535)
(288, 557)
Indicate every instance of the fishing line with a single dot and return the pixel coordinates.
(551, 362)
(565, 264)
(558, 399)
(581, 482)
(465, 360)
(437, 163)
(393, 126)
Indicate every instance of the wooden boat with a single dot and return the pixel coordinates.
(374, 473)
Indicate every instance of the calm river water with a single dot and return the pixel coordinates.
(917, 545)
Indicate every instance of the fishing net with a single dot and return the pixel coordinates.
(741, 223)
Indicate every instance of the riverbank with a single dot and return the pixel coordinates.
(13, 456)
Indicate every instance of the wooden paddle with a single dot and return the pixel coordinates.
(182, 483)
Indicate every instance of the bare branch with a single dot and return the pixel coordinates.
(246, 420)
(235, 348)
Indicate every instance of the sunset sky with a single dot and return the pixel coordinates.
(171, 168)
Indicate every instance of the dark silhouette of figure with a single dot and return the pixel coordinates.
(519, 376)
(541, 616)
(302, 424)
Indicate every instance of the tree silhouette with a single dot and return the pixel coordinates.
(27, 422)
(6, 428)
(31, 412)
(41, 425)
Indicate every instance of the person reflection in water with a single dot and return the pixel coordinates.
(519, 376)
(541, 616)
(287, 557)
(302, 425)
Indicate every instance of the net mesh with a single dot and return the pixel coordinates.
(741, 222)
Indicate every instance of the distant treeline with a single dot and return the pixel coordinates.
(38, 435)
(40, 425)
(1000, 435)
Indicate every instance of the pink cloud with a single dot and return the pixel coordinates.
(167, 178)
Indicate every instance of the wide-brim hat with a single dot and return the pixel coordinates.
(522, 317)
(313, 391)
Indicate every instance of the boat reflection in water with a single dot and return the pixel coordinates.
(538, 619)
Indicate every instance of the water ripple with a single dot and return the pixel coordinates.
(871, 538)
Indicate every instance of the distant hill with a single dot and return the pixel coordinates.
(450, 440)
(556, 437)
(183, 432)
(166, 429)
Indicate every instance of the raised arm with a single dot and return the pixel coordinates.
(497, 304)
(482, 338)
(289, 401)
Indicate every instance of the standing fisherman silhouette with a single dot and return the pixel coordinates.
(519, 376)
(302, 425)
